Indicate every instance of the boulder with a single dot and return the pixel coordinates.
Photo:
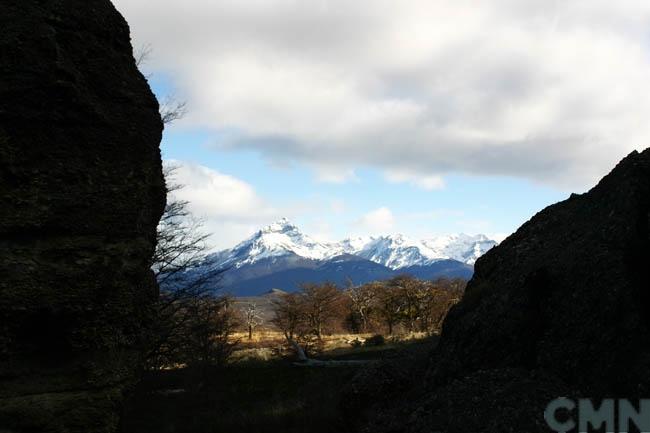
(82, 191)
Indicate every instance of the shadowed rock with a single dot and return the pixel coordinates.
(82, 190)
(568, 293)
(560, 308)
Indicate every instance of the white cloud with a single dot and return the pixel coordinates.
(555, 92)
(427, 182)
(229, 207)
(320, 230)
(378, 221)
(333, 174)
(214, 194)
(337, 206)
(499, 236)
(433, 214)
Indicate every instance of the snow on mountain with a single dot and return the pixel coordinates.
(399, 251)
(394, 251)
(352, 245)
(278, 239)
(461, 247)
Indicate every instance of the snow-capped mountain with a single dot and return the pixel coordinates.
(393, 251)
(396, 251)
(278, 239)
(461, 247)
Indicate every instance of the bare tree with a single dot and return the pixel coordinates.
(171, 108)
(188, 312)
(410, 292)
(443, 294)
(252, 318)
(181, 244)
(288, 316)
(362, 305)
(142, 54)
(321, 305)
(188, 291)
(389, 306)
(292, 317)
(210, 325)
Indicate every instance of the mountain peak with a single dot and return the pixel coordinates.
(279, 239)
(282, 225)
(396, 251)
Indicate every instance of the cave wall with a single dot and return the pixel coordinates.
(81, 192)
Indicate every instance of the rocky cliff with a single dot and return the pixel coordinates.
(82, 190)
(568, 293)
(560, 308)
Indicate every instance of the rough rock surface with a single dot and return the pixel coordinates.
(82, 190)
(560, 308)
(568, 293)
(486, 401)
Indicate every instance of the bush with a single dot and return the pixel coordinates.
(375, 340)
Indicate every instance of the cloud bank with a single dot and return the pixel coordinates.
(228, 207)
(553, 92)
(377, 222)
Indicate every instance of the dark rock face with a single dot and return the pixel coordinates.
(568, 293)
(82, 190)
(560, 308)
(494, 401)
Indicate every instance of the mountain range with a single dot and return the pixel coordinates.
(280, 256)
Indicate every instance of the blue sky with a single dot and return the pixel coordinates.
(493, 205)
(425, 117)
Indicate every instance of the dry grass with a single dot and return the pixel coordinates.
(266, 345)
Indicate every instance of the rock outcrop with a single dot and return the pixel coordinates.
(560, 308)
(81, 192)
(568, 293)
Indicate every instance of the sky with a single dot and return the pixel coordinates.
(421, 117)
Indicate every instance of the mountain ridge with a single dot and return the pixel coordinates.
(394, 251)
(280, 256)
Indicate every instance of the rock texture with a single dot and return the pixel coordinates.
(568, 293)
(560, 308)
(82, 190)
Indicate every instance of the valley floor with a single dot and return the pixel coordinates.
(253, 395)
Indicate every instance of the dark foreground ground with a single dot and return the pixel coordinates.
(272, 396)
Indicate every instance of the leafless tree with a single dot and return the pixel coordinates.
(188, 292)
(442, 295)
(298, 316)
(288, 316)
(210, 325)
(410, 292)
(362, 303)
(252, 318)
(142, 54)
(171, 108)
(321, 304)
(188, 311)
(389, 306)
(181, 244)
